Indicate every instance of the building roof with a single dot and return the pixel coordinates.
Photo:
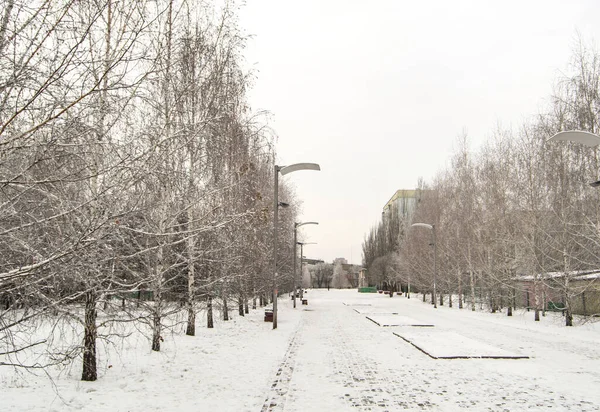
(312, 261)
(401, 193)
(576, 274)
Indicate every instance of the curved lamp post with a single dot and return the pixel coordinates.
(284, 170)
(296, 226)
(432, 228)
(578, 136)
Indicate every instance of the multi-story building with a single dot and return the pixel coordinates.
(404, 203)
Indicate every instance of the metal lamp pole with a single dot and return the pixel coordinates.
(283, 170)
(302, 257)
(296, 226)
(432, 227)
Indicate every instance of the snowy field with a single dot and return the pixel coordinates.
(328, 356)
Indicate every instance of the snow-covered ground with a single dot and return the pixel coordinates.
(328, 356)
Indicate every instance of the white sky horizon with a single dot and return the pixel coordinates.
(377, 92)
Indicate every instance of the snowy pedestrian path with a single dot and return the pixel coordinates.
(329, 356)
(343, 361)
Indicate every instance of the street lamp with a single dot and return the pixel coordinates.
(432, 228)
(301, 258)
(578, 136)
(296, 226)
(284, 170)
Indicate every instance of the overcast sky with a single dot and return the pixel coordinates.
(376, 91)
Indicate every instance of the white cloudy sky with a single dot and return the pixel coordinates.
(377, 91)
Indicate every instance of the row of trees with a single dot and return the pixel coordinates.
(131, 166)
(518, 206)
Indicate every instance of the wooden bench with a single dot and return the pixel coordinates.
(268, 315)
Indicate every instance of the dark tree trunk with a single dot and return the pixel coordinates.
(514, 298)
(157, 321)
(460, 292)
(537, 315)
(567, 310)
(90, 371)
(156, 338)
(191, 323)
(246, 310)
(209, 313)
(568, 317)
(240, 305)
(225, 308)
(441, 299)
(544, 303)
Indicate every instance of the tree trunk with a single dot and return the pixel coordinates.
(240, 305)
(225, 308)
(209, 312)
(568, 317)
(472, 280)
(158, 303)
(544, 303)
(90, 372)
(513, 301)
(156, 330)
(536, 300)
(460, 293)
(568, 313)
(191, 322)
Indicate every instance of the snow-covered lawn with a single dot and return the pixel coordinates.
(328, 356)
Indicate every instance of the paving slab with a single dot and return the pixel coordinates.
(444, 344)
(396, 320)
(374, 311)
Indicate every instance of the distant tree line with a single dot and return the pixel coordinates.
(516, 206)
